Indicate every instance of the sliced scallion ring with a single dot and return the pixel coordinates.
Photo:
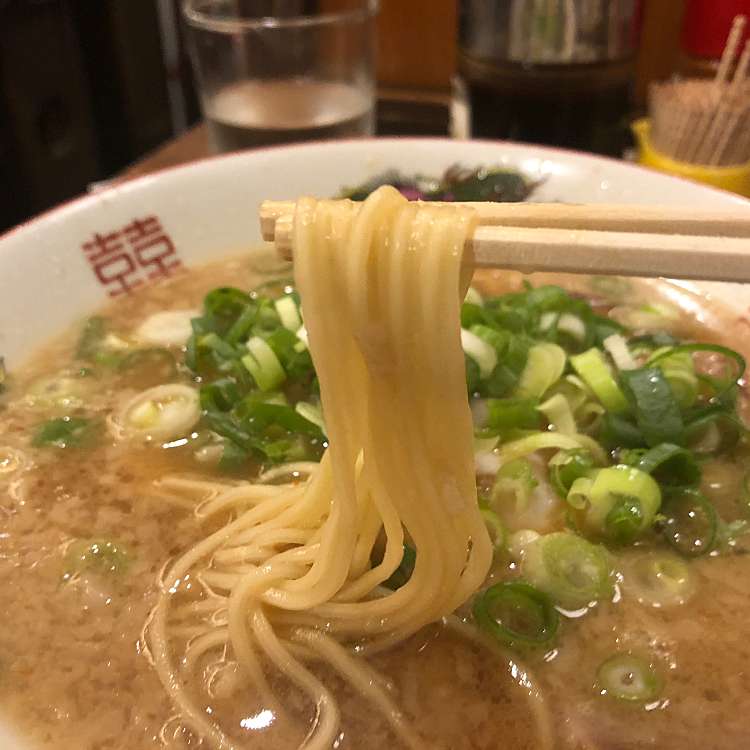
(572, 570)
(690, 522)
(737, 358)
(618, 503)
(162, 413)
(628, 677)
(517, 614)
(659, 579)
(167, 328)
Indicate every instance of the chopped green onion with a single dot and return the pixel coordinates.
(65, 432)
(510, 414)
(706, 439)
(728, 533)
(568, 465)
(477, 349)
(498, 340)
(164, 412)
(573, 326)
(629, 678)
(559, 414)
(572, 570)
(595, 372)
(473, 297)
(99, 556)
(485, 444)
(617, 348)
(166, 328)
(670, 465)
(690, 522)
(65, 391)
(548, 320)
(519, 541)
(618, 503)
(619, 432)
(730, 354)
(514, 479)
(224, 306)
(286, 308)
(233, 456)
(311, 413)
(496, 530)
(304, 342)
(516, 614)
(94, 331)
(649, 317)
(513, 361)
(679, 371)
(544, 440)
(659, 579)
(625, 520)
(656, 410)
(544, 367)
(263, 364)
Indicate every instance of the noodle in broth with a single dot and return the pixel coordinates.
(373, 288)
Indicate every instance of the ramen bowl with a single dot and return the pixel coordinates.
(64, 265)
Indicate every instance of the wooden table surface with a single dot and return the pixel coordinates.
(191, 145)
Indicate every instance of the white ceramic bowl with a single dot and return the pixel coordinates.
(206, 210)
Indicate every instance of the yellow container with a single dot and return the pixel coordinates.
(734, 179)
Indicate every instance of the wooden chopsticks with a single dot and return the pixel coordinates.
(629, 240)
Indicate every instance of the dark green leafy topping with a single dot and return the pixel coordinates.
(669, 464)
(457, 184)
(657, 413)
(65, 432)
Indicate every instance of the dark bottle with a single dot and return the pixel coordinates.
(556, 72)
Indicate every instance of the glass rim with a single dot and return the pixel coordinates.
(230, 23)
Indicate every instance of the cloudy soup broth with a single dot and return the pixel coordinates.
(655, 655)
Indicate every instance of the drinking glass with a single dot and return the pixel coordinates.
(278, 71)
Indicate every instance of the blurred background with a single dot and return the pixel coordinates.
(94, 89)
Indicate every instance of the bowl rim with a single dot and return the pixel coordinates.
(134, 183)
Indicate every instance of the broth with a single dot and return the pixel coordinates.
(74, 666)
